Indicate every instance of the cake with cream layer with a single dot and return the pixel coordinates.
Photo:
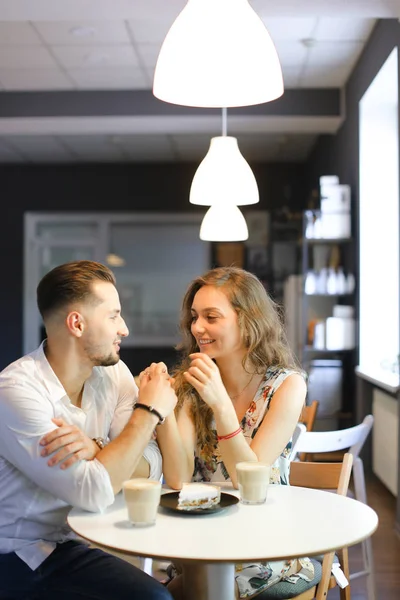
(198, 495)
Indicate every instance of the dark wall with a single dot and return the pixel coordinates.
(105, 188)
(338, 154)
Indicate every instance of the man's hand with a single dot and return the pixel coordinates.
(67, 444)
(156, 389)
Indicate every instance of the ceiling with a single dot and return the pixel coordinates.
(102, 45)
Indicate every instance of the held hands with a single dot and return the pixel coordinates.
(156, 389)
(67, 444)
(203, 374)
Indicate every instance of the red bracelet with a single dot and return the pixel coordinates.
(229, 435)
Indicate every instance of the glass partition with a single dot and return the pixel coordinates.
(153, 256)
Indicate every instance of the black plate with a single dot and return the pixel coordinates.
(169, 501)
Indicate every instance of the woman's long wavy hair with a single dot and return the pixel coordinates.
(261, 331)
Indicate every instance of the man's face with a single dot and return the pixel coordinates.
(104, 326)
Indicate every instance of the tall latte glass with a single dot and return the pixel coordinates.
(142, 497)
(253, 480)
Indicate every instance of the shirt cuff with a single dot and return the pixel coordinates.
(152, 455)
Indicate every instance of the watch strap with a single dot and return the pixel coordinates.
(100, 442)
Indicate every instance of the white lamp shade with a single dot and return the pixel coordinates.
(224, 176)
(218, 53)
(224, 224)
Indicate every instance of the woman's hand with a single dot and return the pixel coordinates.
(203, 374)
(145, 375)
(67, 444)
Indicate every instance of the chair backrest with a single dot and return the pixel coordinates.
(327, 476)
(308, 415)
(323, 476)
(298, 432)
(331, 441)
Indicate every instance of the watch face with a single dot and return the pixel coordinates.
(100, 442)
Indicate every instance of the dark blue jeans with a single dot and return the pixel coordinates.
(75, 572)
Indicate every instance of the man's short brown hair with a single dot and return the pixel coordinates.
(69, 283)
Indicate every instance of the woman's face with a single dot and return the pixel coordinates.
(215, 324)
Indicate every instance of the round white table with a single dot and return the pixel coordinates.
(293, 522)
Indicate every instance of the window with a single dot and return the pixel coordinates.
(379, 226)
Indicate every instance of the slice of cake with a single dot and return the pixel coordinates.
(198, 495)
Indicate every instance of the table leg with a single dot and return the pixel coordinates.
(208, 581)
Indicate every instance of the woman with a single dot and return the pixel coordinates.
(239, 392)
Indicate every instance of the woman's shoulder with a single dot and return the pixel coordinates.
(275, 375)
(274, 371)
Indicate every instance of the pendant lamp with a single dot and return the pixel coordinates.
(218, 53)
(224, 224)
(224, 176)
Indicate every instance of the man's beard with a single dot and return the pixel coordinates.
(99, 360)
(107, 361)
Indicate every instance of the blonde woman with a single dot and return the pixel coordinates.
(240, 394)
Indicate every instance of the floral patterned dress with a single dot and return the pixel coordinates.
(251, 579)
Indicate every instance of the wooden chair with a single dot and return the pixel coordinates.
(307, 417)
(298, 432)
(327, 476)
(352, 439)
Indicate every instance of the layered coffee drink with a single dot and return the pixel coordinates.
(253, 480)
(142, 497)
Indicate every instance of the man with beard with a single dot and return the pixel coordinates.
(69, 436)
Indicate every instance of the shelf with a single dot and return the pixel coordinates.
(280, 240)
(325, 350)
(327, 240)
(329, 295)
(318, 254)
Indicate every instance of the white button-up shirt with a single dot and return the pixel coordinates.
(35, 498)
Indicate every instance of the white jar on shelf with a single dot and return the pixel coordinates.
(350, 283)
(319, 336)
(341, 283)
(310, 285)
(309, 233)
(318, 228)
(335, 225)
(331, 283)
(322, 281)
(340, 333)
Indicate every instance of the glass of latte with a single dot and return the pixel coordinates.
(142, 497)
(253, 480)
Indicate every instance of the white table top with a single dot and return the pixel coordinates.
(293, 522)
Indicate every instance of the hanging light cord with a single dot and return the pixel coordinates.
(224, 121)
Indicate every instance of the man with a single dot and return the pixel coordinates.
(69, 437)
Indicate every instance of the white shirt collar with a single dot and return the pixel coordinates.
(50, 379)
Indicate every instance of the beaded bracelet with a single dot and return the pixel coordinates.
(220, 438)
(150, 409)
